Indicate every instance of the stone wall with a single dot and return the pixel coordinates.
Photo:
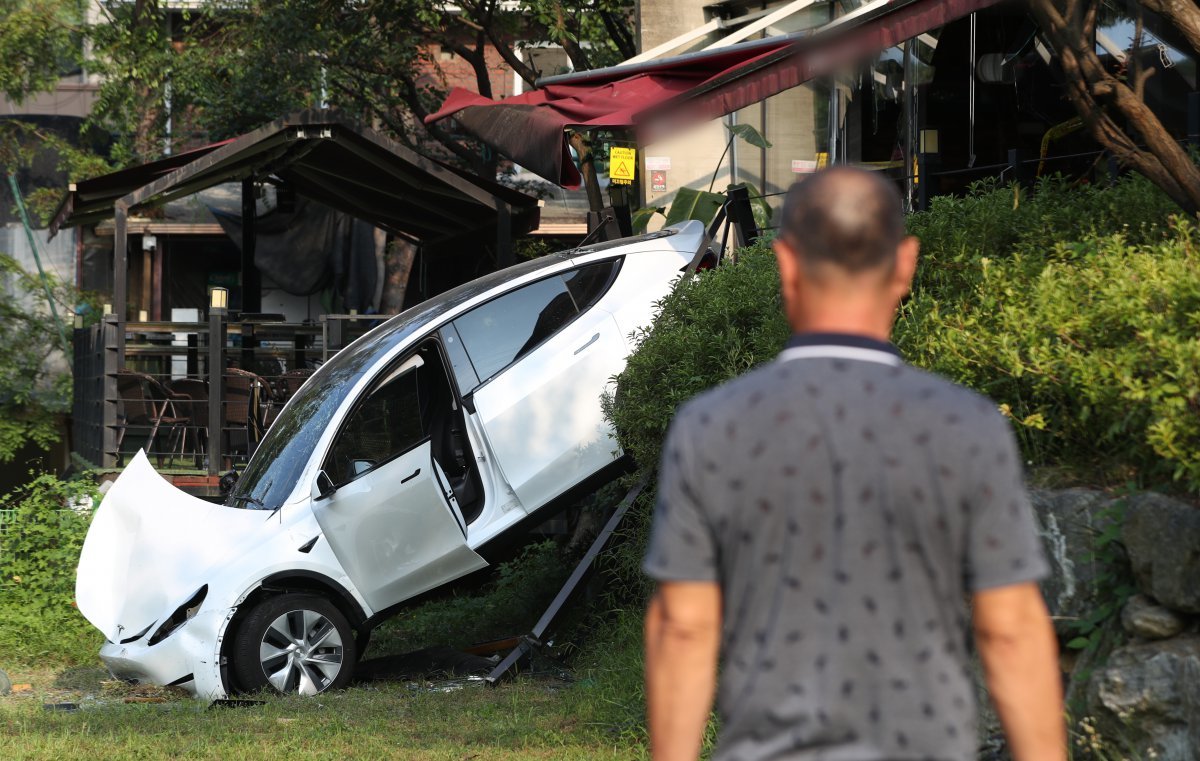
(1139, 688)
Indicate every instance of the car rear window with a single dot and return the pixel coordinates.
(505, 329)
(499, 332)
(588, 284)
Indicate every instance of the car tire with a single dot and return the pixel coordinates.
(294, 644)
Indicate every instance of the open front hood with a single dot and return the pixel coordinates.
(150, 548)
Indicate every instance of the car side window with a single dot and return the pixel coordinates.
(384, 425)
(498, 333)
(589, 283)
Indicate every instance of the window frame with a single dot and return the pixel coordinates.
(374, 386)
(615, 264)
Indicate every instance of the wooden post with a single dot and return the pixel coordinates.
(588, 169)
(504, 241)
(216, 379)
(120, 274)
(111, 341)
(251, 278)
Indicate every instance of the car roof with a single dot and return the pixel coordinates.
(383, 338)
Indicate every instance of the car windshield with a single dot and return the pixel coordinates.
(277, 463)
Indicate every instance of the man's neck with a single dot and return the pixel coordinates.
(845, 325)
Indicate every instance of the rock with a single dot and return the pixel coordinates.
(1148, 697)
(5, 683)
(1162, 536)
(1143, 618)
(1069, 521)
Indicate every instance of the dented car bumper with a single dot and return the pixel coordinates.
(189, 657)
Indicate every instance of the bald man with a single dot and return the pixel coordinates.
(824, 520)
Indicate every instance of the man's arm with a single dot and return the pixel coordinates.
(683, 633)
(1020, 659)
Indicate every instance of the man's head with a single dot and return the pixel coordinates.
(844, 260)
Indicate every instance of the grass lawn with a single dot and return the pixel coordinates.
(529, 719)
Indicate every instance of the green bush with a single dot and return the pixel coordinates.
(43, 526)
(1090, 345)
(1075, 308)
(510, 603)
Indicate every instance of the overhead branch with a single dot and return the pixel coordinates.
(1184, 15)
(523, 70)
(620, 33)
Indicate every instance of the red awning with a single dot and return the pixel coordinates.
(660, 97)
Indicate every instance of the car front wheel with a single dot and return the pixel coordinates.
(294, 643)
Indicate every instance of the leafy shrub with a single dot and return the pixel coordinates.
(1075, 308)
(508, 604)
(44, 525)
(1084, 329)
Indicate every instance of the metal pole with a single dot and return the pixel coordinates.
(33, 247)
(216, 372)
(922, 182)
(1193, 119)
(971, 99)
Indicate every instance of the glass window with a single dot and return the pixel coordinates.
(501, 331)
(386, 424)
(588, 284)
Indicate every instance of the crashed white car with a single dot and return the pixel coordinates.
(389, 474)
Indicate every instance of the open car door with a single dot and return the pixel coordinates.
(397, 530)
(391, 518)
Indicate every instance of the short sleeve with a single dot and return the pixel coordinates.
(682, 545)
(1003, 547)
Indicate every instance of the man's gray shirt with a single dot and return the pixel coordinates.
(847, 504)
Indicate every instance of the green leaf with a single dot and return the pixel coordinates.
(690, 203)
(749, 134)
(1079, 643)
(642, 217)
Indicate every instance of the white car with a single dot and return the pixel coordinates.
(388, 474)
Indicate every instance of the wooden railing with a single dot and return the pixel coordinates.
(154, 385)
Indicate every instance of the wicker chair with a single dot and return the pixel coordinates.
(195, 408)
(145, 405)
(247, 404)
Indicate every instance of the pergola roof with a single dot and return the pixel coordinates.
(351, 169)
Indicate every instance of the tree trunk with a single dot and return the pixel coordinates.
(398, 264)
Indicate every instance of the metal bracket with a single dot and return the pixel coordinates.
(533, 640)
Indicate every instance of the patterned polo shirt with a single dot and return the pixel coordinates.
(847, 504)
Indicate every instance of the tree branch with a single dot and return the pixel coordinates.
(1184, 15)
(620, 34)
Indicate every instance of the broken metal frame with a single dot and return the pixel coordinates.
(533, 640)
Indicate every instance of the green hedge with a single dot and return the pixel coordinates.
(42, 527)
(1077, 309)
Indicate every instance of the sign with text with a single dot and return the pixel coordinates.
(658, 181)
(658, 162)
(622, 165)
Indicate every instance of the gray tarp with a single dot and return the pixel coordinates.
(304, 250)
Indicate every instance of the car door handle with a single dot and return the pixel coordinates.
(414, 474)
(592, 340)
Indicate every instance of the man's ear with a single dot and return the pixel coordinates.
(906, 266)
(785, 256)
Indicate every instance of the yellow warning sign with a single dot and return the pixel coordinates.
(622, 165)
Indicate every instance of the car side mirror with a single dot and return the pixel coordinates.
(322, 486)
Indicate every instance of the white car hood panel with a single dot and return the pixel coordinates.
(149, 547)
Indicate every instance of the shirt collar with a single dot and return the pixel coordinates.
(841, 345)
